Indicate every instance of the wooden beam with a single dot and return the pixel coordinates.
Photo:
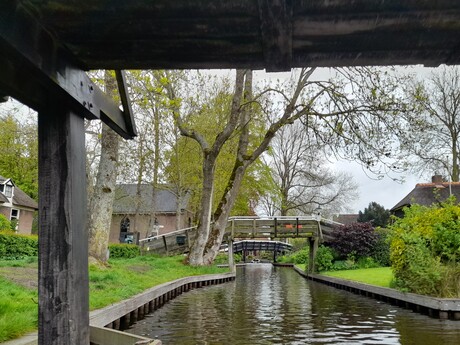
(38, 72)
(63, 239)
(276, 30)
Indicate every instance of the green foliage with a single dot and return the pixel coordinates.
(301, 256)
(324, 258)
(14, 246)
(381, 250)
(122, 250)
(356, 239)
(5, 224)
(424, 250)
(19, 158)
(296, 257)
(375, 214)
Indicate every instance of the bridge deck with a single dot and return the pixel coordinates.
(247, 228)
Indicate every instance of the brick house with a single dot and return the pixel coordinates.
(140, 211)
(427, 194)
(16, 205)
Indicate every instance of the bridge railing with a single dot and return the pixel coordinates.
(274, 227)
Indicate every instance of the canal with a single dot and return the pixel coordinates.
(275, 305)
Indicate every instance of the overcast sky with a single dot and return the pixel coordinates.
(386, 192)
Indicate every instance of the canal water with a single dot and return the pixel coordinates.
(275, 305)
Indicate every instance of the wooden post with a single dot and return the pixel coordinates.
(276, 228)
(313, 243)
(63, 303)
(165, 245)
(231, 259)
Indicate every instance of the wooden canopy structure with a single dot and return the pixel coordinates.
(47, 45)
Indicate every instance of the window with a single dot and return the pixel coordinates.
(124, 225)
(14, 214)
(2, 188)
(8, 191)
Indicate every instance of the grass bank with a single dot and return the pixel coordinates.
(123, 279)
(381, 276)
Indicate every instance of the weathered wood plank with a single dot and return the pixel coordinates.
(63, 239)
(276, 33)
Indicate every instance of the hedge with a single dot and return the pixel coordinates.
(13, 246)
(126, 251)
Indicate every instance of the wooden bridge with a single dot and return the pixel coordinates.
(257, 245)
(315, 228)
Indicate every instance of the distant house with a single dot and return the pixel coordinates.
(427, 194)
(17, 206)
(345, 219)
(140, 211)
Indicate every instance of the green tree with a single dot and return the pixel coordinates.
(19, 157)
(375, 214)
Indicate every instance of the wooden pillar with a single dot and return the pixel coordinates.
(313, 243)
(63, 308)
(231, 258)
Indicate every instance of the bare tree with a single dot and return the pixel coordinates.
(431, 133)
(301, 176)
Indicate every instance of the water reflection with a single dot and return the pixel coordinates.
(267, 305)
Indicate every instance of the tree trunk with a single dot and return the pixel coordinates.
(223, 212)
(104, 190)
(204, 221)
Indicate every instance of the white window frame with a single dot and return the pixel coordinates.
(15, 217)
(8, 193)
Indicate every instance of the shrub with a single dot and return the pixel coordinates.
(5, 224)
(381, 250)
(122, 250)
(14, 246)
(300, 257)
(324, 258)
(424, 250)
(355, 238)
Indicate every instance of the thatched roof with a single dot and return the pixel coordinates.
(149, 201)
(20, 198)
(346, 218)
(429, 193)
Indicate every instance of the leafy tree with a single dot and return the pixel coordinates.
(375, 214)
(19, 145)
(430, 134)
(346, 116)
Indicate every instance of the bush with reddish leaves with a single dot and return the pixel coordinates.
(355, 239)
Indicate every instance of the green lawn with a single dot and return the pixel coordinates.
(381, 276)
(123, 279)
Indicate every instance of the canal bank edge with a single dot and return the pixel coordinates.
(106, 322)
(442, 308)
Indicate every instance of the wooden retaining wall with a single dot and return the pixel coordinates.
(121, 315)
(442, 308)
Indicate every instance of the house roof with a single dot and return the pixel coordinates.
(126, 201)
(19, 198)
(428, 193)
(346, 218)
(3, 198)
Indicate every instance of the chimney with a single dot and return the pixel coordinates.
(437, 179)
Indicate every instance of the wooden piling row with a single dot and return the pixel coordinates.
(123, 322)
